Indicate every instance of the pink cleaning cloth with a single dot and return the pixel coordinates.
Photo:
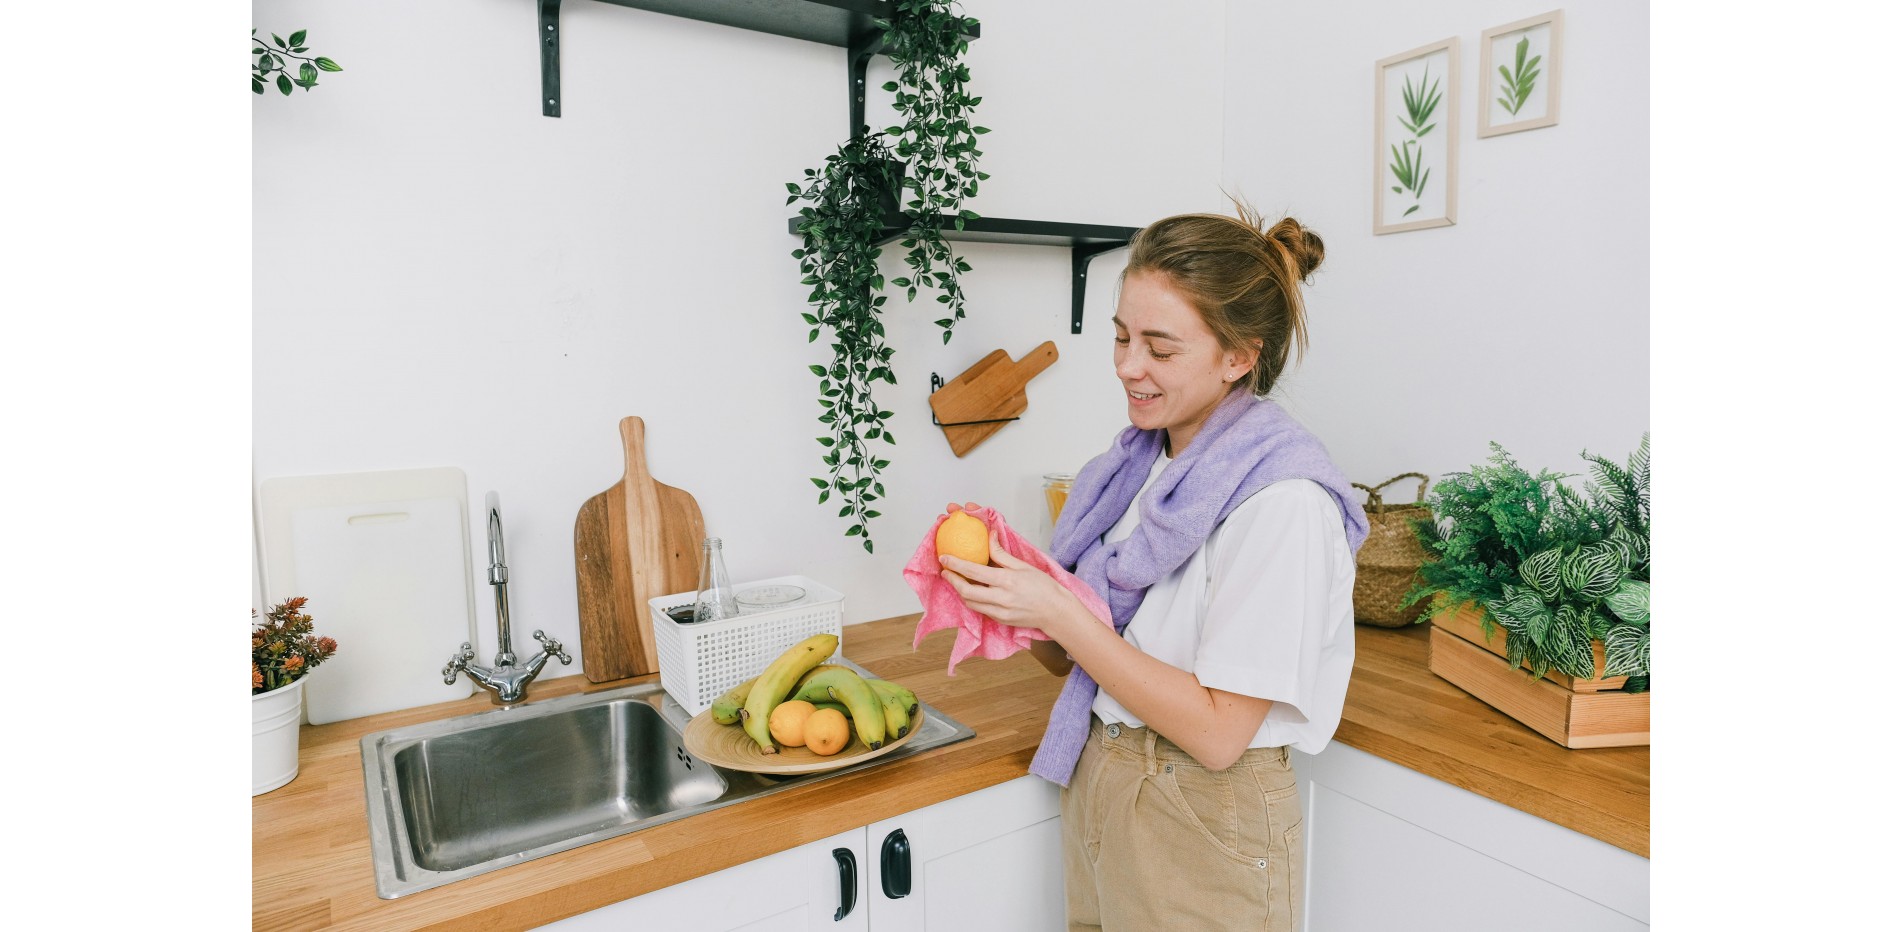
(976, 633)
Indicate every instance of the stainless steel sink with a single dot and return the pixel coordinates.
(455, 798)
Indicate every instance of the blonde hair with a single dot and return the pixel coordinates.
(1243, 279)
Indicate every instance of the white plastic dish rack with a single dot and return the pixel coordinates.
(700, 662)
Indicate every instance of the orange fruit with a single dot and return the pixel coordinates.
(964, 537)
(787, 722)
(827, 732)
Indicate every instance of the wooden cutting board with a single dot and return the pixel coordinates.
(991, 390)
(637, 540)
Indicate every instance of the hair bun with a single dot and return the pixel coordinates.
(1298, 242)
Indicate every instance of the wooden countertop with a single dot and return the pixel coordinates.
(310, 843)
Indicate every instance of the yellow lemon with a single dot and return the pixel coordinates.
(826, 732)
(787, 722)
(965, 537)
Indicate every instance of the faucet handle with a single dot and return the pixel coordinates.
(552, 646)
(458, 662)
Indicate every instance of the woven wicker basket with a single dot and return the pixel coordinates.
(1389, 562)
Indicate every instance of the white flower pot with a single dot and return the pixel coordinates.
(274, 719)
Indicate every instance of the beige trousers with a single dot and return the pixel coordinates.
(1154, 840)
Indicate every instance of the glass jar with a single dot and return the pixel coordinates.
(1056, 492)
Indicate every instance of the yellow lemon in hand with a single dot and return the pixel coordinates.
(965, 537)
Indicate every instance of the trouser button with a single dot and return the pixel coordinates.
(1114, 730)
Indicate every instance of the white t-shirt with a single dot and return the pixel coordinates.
(1264, 608)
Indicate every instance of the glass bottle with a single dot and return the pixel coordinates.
(714, 599)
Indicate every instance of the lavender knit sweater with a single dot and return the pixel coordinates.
(1246, 444)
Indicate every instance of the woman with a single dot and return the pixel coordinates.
(1223, 539)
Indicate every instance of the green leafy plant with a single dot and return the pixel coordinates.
(283, 649)
(937, 141)
(267, 61)
(851, 206)
(839, 255)
(1556, 568)
(1519, 82)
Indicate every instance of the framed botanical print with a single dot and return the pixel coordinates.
(1519, 74)
(1416, 137)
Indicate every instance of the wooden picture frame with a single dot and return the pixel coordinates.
(1519, 74)
(1417, 137)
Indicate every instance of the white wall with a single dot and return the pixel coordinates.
(464, 282)
(1527, 322)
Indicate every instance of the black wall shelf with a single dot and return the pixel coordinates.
(847, 24)
(1085, 241)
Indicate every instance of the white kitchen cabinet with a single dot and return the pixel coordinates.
(989, 860)
(797, 890)
(1390, 848)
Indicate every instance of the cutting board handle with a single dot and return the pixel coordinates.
(1036, 361)
(634, 449)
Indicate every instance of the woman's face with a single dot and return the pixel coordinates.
(1173, 370)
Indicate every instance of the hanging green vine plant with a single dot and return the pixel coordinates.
(849, 209)
(839, 255)
(270, 60)
(938, 142)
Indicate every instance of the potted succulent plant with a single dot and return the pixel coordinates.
(1554, 580)
(283, 653)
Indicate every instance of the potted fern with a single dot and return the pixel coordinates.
(1555, 583)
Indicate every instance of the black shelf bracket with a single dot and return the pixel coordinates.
(548, 29)
(1080, 256)
(859, 52)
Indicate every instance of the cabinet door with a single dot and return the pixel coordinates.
(799, 890)
(990, 860)
(1446, 860)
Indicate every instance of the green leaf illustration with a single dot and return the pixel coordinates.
(1519, 82)
(1420, 102)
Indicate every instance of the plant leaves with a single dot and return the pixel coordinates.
(1628, 651)
(1632, 602)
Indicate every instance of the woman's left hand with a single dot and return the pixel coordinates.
(1012, 593)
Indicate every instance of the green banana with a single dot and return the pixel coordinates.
(727, 708)
(842, 684)
(897, 721)
(905, 695)
(777, 680)
(835, 706)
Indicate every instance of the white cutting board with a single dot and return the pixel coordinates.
(384, 559)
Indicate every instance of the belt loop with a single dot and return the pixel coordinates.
(1149, 752)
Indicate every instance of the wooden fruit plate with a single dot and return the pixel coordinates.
(728, 746)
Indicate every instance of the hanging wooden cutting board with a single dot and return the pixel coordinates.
(637, 540)
(992, 390)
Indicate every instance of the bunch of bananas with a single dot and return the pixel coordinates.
(880, 711)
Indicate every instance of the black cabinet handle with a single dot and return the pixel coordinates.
(895, 865)
(848, 881)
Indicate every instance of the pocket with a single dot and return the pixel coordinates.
(1233, 824)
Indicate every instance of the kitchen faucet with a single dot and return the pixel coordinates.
(507, 681)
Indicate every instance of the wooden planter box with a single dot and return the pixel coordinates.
(1573, 712)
